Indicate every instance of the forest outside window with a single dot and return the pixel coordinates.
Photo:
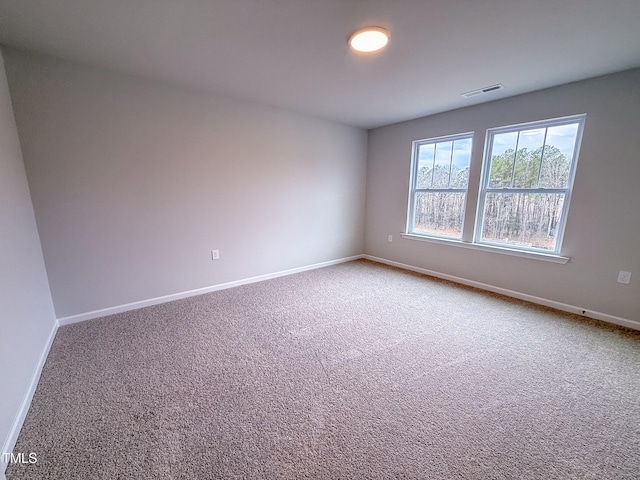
(439, 181)
(526, 184)
(524, 188)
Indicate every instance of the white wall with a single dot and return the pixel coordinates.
(603, 229)
(135, 182)
(27, 318)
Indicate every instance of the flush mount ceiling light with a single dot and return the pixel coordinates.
(369, 39)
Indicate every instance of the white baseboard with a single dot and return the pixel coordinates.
(483, 286)
(199, 291)
(18, 421)
(624, 322)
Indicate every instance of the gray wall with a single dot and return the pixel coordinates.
(135, 182)
(27, 318)
(603, 229)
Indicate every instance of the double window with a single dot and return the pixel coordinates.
(524, 186)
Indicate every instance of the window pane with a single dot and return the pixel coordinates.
(443, 164)
(502, 154)
(524, 220)
(424, 173)
(439, 213)
(558, 154)
(528, 158)
(461, 163)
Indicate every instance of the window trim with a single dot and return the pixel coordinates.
(476, 242)
(483, 189)
(415, 145)
(491, 248)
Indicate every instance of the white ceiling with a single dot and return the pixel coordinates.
(293, 54)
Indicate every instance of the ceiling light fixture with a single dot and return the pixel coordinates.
(369, 39)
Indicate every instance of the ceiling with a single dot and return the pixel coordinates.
(293, 54)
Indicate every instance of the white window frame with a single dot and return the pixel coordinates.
(485, 178)
(413, 191)
(473, 240)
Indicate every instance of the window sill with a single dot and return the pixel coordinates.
(490, 248)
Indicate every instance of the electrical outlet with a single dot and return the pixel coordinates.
(624, 277)
(215, 254)
(390, 238)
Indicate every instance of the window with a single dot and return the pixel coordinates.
(439, 181)
(524, 188)
(526, 184)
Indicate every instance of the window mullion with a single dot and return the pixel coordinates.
(515, 159)
(544, 144)
(526, 190)
(440, 190)
(451, 163)
(433, 164)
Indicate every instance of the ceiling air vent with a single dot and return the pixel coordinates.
(482, 91)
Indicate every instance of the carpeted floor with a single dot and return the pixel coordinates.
(353, 371)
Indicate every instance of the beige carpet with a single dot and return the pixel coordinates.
(351, 371)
